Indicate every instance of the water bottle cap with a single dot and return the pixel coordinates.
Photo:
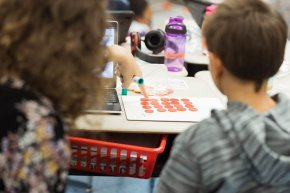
(175, 28)
(177, 19)
(175, 25)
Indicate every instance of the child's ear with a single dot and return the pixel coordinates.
(216, 66)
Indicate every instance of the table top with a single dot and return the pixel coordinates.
(199, 86)
(119, 123)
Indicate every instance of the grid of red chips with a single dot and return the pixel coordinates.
(167, 105)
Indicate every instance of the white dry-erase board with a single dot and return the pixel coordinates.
(187, 109)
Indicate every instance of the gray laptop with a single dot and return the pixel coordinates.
(124, 19)
(112, 103)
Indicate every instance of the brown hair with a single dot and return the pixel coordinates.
(54, 46)
(138, 7)
(249, 38)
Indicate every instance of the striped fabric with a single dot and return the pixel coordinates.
(235, 150)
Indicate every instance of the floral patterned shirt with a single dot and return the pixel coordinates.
(34, 153)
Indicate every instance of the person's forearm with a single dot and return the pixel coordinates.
(117, 54)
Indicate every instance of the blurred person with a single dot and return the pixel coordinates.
(244, 148)
(51, 57)
(142, 17)
(118, 5)
(283, 6)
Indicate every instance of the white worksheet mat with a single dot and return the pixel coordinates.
(186, 109)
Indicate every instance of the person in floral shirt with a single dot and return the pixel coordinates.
(51, 56)
(34, 154)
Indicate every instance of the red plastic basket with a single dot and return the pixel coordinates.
(114, 158)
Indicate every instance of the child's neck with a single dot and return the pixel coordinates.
(245, 93)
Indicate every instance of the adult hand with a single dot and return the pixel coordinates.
(127, 67)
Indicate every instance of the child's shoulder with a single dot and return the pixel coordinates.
(215, 129)
(207, 139)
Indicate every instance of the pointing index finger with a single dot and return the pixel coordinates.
(140, 82)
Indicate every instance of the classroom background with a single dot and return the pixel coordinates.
(161, 11)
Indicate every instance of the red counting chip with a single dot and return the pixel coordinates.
(172, 110)
(144, 99)
(164, 99)
(165, 103)
(157, 106)
(149, 111)
(168, 106)
(146, 107)
(173, 99)
(144, 103)
(189, 106)
(175, 102)
(154, 102)
(161, 110)
(178, 106)
(192, 109)
(181, 109)
(185, 100)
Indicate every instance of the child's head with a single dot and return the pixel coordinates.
(54, 46)
(248, 38)
(142, 10)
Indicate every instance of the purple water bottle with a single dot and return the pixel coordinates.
(175, 44)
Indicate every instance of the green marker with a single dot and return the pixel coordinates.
(138, 80)
(124, 91)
